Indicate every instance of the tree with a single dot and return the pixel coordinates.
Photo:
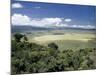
(34, 58)
(25, 38)
(18, 37)
(53, 45)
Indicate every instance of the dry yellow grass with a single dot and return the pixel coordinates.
(77, 37)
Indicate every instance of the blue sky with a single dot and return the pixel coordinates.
(52, 14)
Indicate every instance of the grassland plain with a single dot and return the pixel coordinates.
(66, 40)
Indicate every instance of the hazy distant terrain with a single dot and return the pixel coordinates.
(64, 37)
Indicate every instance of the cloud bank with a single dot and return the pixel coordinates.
(19, 19)
(17, 5)
(68, 20)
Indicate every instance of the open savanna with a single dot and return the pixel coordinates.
(65, 40)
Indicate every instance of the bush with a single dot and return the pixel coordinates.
(33, 58)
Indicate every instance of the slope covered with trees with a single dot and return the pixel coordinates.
(34, 58)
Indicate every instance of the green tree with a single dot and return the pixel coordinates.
(18, 37)
(53, 46)
(25, 38)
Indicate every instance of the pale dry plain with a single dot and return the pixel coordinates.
(67, 40)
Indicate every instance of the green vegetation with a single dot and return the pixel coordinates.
(18, 37)
(27, 57)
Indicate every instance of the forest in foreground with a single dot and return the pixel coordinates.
(29, 57)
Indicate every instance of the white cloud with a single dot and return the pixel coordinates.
(46, 22)
(19, 19)
(83, 26)
(68, 20)
(55, 21)
(17, 5)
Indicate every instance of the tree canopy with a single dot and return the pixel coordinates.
(33, 58)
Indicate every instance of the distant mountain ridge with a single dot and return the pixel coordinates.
(27, 28)
(23, 28)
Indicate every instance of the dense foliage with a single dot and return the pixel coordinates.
(33, 58)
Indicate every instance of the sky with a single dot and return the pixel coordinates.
(41, 14)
